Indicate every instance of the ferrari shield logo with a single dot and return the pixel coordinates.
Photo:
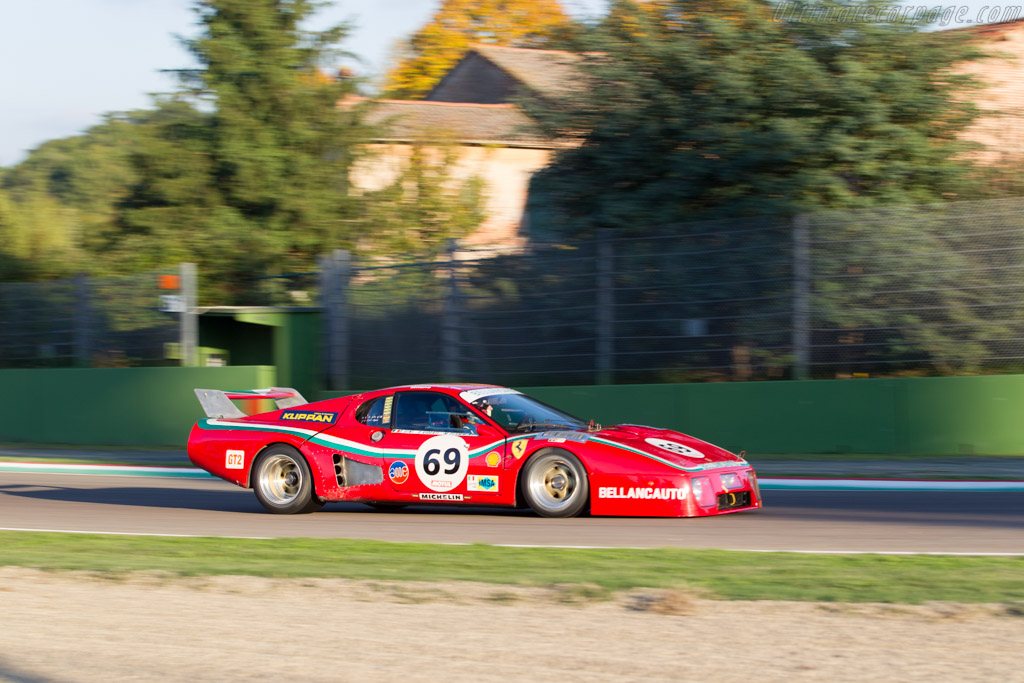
(518, 448)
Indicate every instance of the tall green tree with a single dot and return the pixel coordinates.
(696, 109)
(279, 146)
(428, 55)
(246, 169)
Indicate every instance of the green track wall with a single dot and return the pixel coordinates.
(920, 416)
(113, 406)
(926, 416)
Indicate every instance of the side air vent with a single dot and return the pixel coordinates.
(338, 471)
(353, 473)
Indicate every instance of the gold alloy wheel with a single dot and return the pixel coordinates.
(280, 479)
(554, 483)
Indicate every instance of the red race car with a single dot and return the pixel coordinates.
(461, 444)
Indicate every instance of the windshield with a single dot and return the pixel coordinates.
(519, 413)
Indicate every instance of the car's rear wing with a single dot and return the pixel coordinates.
(218, 403)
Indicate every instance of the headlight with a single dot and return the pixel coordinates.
(703, 492)
(730, 481)
(752, 478)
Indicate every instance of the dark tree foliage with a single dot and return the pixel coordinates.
(246, 171)
(690, 110)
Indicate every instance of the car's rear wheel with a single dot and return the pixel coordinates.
(282, 482)
(555, 484)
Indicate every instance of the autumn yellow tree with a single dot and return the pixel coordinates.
(457, 25)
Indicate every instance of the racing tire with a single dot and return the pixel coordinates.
(554, 484)
(283, 482)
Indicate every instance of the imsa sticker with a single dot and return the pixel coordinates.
(482, 483)
(309, 416)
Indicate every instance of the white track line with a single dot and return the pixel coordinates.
(135, 533)
(768, 483)
(553, 547)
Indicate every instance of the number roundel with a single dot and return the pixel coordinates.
(675, 447)
(442, 462)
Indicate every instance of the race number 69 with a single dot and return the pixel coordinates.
(442, 461)
(432, 465)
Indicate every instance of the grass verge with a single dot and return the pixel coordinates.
(717, 574)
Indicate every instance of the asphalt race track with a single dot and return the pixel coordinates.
(843, 521)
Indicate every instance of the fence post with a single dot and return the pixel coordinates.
(604, 314)
(801, 297)
(335, 273)
(189, 318)
(83, 321)
(450, 320)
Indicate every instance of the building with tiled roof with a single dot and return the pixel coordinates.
(491, 74)
(474, 124)
(474, 106)
(1000, 129)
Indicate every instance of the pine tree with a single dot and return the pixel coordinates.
(281, 147)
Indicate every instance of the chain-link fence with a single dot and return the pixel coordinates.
(711, 304)
(924, 290)
(919, 290)
(86, 322)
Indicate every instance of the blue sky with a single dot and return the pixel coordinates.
(67, 62)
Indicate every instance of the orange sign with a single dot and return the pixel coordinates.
(170, 282)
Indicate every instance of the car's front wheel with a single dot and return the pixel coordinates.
(283, 483)
(555, 484)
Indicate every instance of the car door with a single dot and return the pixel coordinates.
(435, 450)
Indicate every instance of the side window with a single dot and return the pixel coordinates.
(376, 412)
(430, 411)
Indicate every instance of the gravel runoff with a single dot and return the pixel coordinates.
(69, 626)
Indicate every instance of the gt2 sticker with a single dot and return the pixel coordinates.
(234, 460)
(482, 483)
(309, 416)
(441, 462)
(518, 448)
(398, 472)
(675, 447)
(641, 492)
(440, 496)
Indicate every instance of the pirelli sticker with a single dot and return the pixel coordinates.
(309, 416)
